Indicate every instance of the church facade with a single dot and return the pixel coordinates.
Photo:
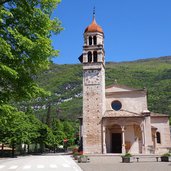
(116, 119)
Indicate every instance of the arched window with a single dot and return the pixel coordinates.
(90, 40)
(95, 56)
(158, 137)
(89, 57)
(95, 40)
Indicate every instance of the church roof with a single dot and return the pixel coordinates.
(125, 113)
(152, 114)
(93, 27)
(121, 113)
(153, 127)
(114, 89)
(123, 87)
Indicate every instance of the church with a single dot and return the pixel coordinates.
(116, 119)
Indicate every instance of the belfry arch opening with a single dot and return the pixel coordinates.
(95, 56)
(90, 40)
(89, 57)
(94, 40)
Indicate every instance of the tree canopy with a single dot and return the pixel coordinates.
(25, 46)
(25, 50)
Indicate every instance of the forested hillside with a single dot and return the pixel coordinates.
(65, 84)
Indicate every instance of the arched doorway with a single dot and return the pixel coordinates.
(116, 139)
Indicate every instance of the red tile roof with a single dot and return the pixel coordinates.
(93, 27)
(121, 113)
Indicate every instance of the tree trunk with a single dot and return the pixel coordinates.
(28, 149)
(2, 150)
(20, 149)
(35, 148)
(41, 147)
(13, 150)
(24, 151)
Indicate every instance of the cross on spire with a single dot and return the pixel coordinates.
(94, 12)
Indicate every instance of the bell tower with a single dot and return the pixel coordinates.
(93, 87)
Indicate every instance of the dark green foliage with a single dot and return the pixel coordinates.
(18, 127)
(153, 74)
(65, 84)
(25, 46)
(25, 50)
(64, 130)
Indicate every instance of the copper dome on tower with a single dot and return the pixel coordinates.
(93, 27)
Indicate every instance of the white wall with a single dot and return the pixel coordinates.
(131, 101)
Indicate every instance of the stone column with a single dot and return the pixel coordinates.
(148, 135)
(87, 40)
(104, 140)
(143, 138)
(123, 140)
(155, 143)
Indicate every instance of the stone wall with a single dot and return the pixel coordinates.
(93, 109)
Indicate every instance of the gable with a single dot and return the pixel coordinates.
(120, 88)
(133, 100)
(121, 113)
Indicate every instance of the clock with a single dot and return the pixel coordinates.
(92, 76)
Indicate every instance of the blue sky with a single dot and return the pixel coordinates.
(134, 29)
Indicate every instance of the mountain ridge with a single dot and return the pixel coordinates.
(65, 84)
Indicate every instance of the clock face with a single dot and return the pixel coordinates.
(92, 77)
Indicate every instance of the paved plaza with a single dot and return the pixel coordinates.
(57, 162)
(49, 162)
(113, 163)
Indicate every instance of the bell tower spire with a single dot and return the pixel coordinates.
(93, 49)
(93, 87)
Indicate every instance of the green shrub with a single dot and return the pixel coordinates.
(166, 155)
(127, 155)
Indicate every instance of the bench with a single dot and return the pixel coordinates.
(146, 157)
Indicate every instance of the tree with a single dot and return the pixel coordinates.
(25, 46)
(23, 128)
(15, 127)
(57, 129)
(25, 50)
(45, 137)
(48, 117)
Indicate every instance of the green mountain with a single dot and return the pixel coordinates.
(65, 84)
